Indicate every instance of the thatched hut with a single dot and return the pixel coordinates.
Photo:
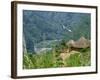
(81, 43)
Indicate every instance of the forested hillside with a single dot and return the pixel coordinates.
(46, 29)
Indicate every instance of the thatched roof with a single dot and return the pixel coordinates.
(81, 43)
(70, 42)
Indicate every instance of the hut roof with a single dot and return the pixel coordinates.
(81, 43)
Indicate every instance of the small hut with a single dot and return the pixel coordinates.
(81, 43)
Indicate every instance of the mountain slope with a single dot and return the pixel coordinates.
(39, 26)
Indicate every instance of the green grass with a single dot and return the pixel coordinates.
(50, 59)
(80, 59)
(38, 61)
(74, 60)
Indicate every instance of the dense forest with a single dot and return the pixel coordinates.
(47, 32)
(39, 26)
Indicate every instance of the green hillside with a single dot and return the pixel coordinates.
(40, 26)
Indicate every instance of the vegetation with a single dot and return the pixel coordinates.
(41, 26)
(53, 59)
(79, 59)
(38, 61)
(45, 34)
